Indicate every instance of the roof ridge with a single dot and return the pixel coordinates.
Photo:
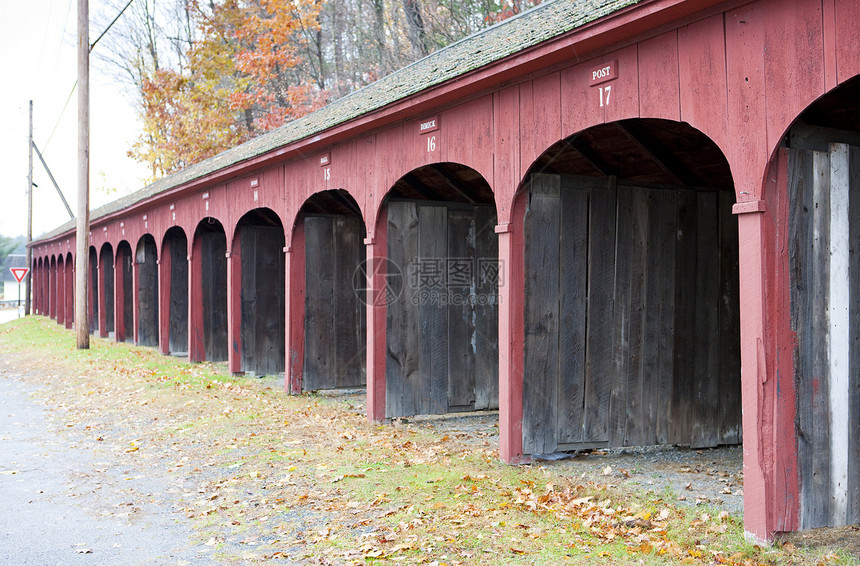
(557, 16)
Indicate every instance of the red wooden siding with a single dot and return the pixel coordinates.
(740, 73)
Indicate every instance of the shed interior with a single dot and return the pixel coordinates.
(822, 150)
(631, 281)
(442, 321)
(260, 241)
(335, 334)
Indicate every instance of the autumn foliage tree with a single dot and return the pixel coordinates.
(238, 79)
(233, 69)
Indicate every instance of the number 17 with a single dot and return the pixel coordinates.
(605, 102)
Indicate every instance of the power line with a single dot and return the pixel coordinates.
(63, 111)
(92, 46)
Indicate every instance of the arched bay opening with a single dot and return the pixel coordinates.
(259, 242)
(631, 283)
(818, 165)
(331, 228)
(442, 316)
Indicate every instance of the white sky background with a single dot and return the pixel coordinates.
(39, 62)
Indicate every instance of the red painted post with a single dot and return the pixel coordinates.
(295, 278)
(781, 354)
(164, 298)
(234, 307)
(511, 339)
(756, 384)
(119, 297)
(377, 255)
(196, 343)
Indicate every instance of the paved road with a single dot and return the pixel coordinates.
(7, 314)
(49, 501)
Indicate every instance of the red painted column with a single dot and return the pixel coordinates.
(196, 343)
(295, 294)
(767, 380)
(234, 307)
(164, 299)
(119, 298)
(511, 337)
(135, 298)
(377, 301)
(757, 447)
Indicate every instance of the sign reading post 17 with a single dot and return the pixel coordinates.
(603, 74)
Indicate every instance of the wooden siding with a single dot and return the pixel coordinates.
(213, 263)
(263, 320)
(124, 264)
(178, 309)
(147, 324)
(335, 334)
(442, 328)
(824, 224)
(631, 322)
(106, 267)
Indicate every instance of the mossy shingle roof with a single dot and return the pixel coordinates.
(528, 29)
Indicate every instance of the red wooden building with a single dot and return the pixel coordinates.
(619, 222)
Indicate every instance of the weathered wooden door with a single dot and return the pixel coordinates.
(631, 316)
(334, 314)
(263, 319)
(442, 330)
(824, 239)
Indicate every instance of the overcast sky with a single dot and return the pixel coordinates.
(39, 63)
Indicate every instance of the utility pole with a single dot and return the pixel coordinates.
(29, 219)
(82, 323)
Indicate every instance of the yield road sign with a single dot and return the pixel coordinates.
(19, 272)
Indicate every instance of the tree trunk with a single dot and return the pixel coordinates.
(415, 27)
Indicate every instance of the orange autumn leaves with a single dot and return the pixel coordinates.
(242, 77)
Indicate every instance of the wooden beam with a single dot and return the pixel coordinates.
(451, 181)
(347, 202)
(656, 152)
(591, 156)
(414, 182)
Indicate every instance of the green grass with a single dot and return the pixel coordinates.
(320, 467)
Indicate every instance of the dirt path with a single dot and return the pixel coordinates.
(162, 462)
(60, 506)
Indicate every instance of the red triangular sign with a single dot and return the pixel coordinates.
(19, 272)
